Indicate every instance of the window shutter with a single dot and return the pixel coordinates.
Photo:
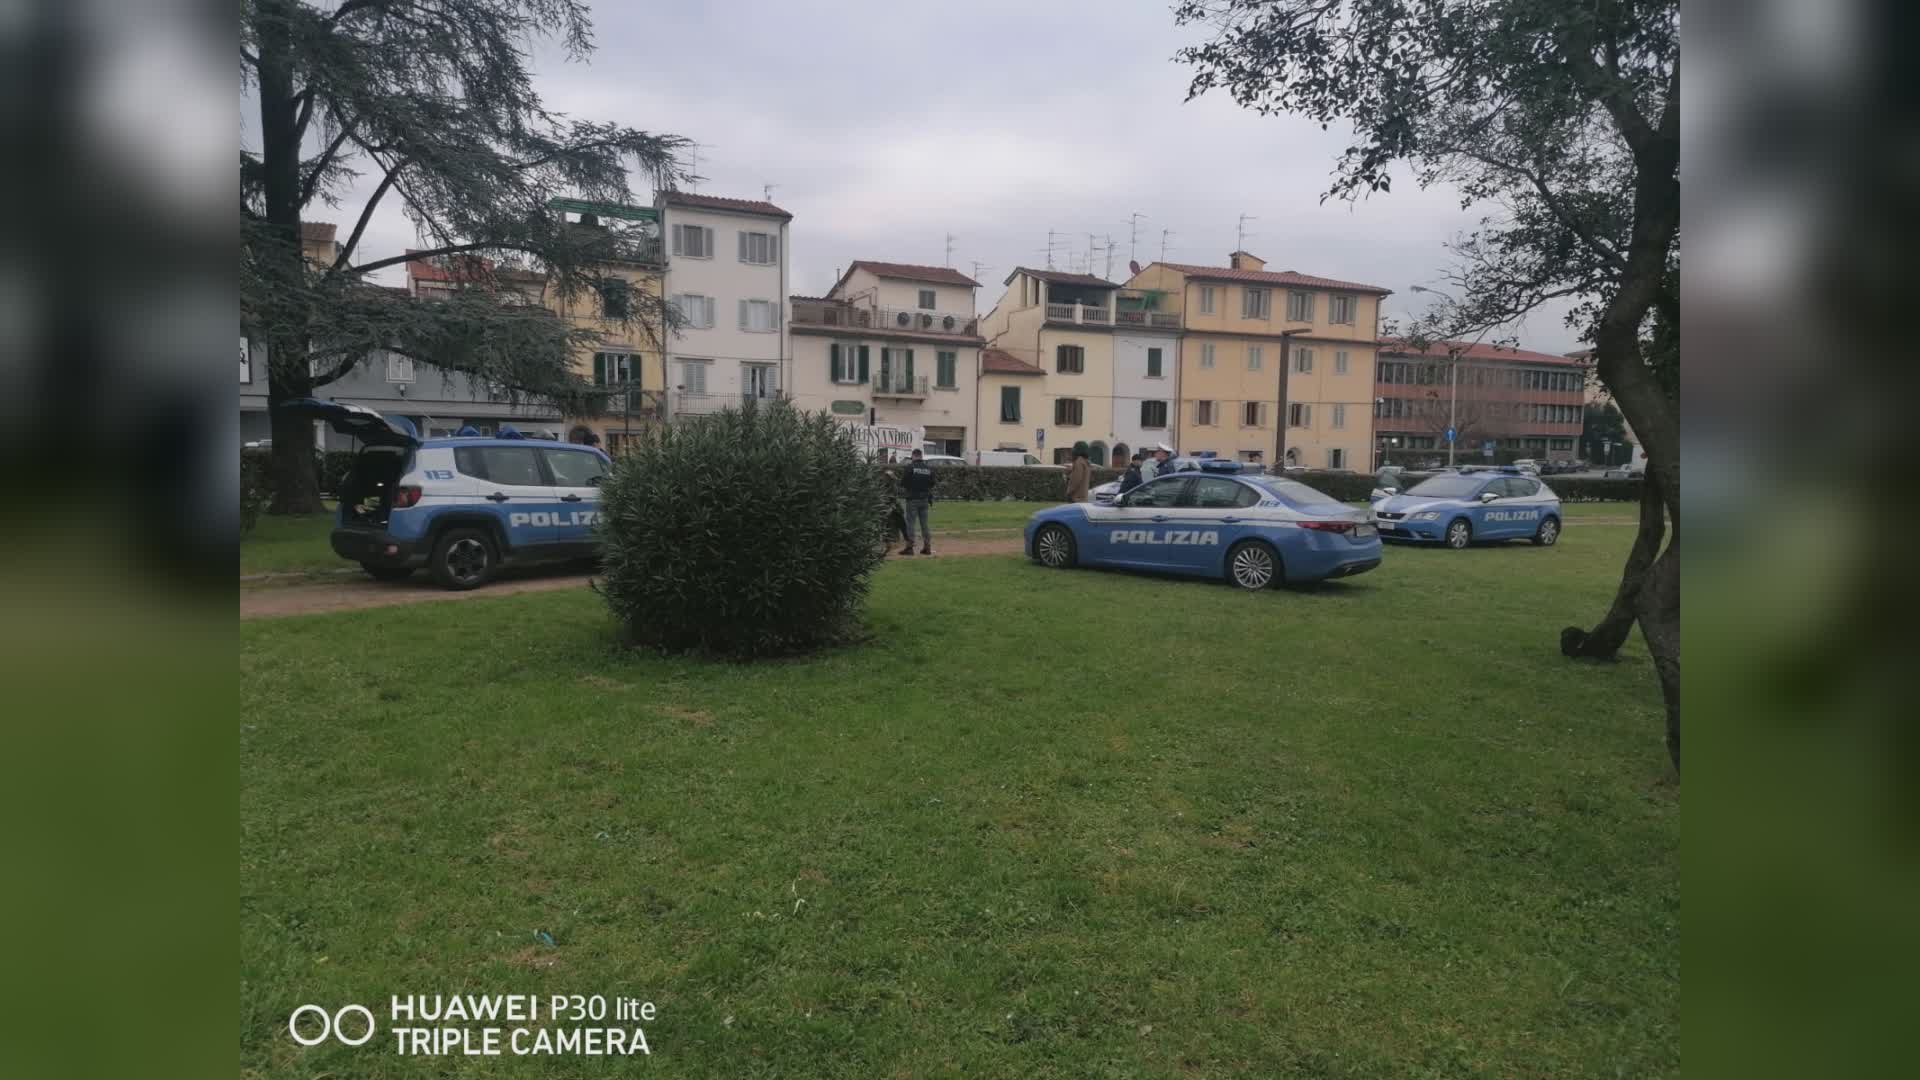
(744, 253)
(706, 304)
(833, 363)
(600, 369)
(743, 314)
(678, 246)
(909, 372)
(863, 363)
(773, 248)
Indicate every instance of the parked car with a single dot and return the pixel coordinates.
(1464, 508)
(1002, 457)
(1255, 531)
(463, 507)
(943, 459)
(1527, 465)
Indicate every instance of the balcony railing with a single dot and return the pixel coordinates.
(1078, 313)
(1161, 320)
(895, 384)
(860, 317)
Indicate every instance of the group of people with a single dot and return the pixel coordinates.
(917, 480)
(1144, 466)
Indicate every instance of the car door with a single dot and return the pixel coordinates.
(1497, 515)
(515, 482)
(577, 473)
(1525, 505)
(1130, 532)
(1208, 516)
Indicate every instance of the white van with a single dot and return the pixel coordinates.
(1014, 458)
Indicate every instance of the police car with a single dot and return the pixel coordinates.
(1461, 508)
(1255, 531)
(462, 507)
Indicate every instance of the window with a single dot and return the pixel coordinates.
(760, 249)
(1336, 459)
(1153, 363)
(1214, 493)
(1339, 416)
(510, 465)
(1299, 307)
(1340, 309)
(1303, 361)
(1253, 414)
(759, 316)
(1153, 414)
(1009, 404)
(1159, 492)
(612, 368)
(1299, 415)
(847, 363)
(693, 241)
(1206, 355)
(616, 299)
(1256, 303)
(1066, 410)
(1206, 299)
(1340, 361)
(697, 310)
(896, 370)
(399, 368)
(946, 366)
(575, 468)
(693, 376)
(926, 299)
(1203, 413)
(1253, 358)
(1070, 358)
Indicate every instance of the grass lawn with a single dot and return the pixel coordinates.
(289, 544)
(1043, 824)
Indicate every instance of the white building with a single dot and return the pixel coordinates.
(727, 275)
(1146, 389)
(892, 344)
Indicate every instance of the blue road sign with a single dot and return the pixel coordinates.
(1450, 434)
(1039, 436)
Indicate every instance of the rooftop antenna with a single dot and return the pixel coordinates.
(949, 249)
(1050, 242)
(1164, 234)
(1133, 236)
(977, 267)
(1109, 274)
(1240, 233)
(766, 191)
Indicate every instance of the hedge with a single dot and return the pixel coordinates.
(256, 469)
(994, 483)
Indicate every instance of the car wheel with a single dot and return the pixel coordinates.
(1253, 566)
(463, 559)
(1053, 547)
(1548, 533)
(1459, 534)
(387, 573)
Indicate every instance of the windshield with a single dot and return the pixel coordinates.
(1295, 493)
(1446, 487)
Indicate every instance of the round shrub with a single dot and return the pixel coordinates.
(744, 534)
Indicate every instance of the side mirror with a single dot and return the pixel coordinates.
(1488, 496)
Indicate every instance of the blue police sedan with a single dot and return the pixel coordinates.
(1255, 531)
(1463, 508)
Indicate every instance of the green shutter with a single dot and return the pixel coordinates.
(833, 362)
(909, 372)
(863, 363)
(600, 369)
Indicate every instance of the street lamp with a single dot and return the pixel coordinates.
(1453, 376)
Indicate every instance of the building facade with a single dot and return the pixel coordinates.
(1062, 324)
(726, 273)
(627, 317)
(1011, 395)
(1274, 367)
(892, 344)
(1503, 403)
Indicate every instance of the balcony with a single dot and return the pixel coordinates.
(1157, 320)
(897, 385)
(905, 320)
(1079, 314)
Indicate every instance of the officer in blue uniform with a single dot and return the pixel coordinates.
(918, 480)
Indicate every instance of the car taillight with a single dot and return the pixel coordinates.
(1328, 526)
(405, 495)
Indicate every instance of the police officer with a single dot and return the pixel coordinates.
(1133, 478)
(1158, 465)
(917, 479)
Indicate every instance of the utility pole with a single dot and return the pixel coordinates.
(1240, 233)
(949, 249)
(1133, 236)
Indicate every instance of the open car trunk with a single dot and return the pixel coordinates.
(366, 494)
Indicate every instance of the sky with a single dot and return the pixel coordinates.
(883, 128)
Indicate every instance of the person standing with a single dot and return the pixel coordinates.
(1133, 478)
(917, 480)
(1160, 464)
(1079, 476)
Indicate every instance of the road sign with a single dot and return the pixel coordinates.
(1039, 436)
(1450, 434)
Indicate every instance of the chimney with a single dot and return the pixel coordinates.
(1240, 260)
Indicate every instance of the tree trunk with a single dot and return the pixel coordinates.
(1658, 607)
(1603, 641)
(296, 476)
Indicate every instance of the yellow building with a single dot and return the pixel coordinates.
(1273, 366)
(1061, 324)
(624, 354)
(1011, 401)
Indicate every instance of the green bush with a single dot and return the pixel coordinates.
(332, 466)
(742, 534)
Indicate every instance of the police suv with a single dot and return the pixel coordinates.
(1464, 507)
(463, 506)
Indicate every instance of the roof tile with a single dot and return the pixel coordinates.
(1475, 350)
(720, 202)
(938, 275)
(1272, 277)
(999, 362)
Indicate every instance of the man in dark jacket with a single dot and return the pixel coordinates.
(917, 481)
(1132, 479)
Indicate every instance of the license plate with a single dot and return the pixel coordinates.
(1363, 531)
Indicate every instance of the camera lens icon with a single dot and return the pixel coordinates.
(330, 1025)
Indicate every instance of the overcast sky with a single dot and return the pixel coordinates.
(884, 127)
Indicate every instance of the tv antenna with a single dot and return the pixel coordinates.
(949, 249)
(766, 191)
(1164, 234)
(1240, 233)
(977, 267)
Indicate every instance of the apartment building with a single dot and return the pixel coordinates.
(627, 316)
(726, 273)
(894, 344)
(1062, 324)
(1011, 402)
(1273, 366)
(1527, 404)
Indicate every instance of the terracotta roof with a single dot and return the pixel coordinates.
(996, 362)
(318, 230)
(938, 275)
(467, 268)
(1478, 350)
(718, 202)
(885, 333)
(1061, 277)
(1271, 277)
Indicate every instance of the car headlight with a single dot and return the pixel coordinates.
(1426, 515)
